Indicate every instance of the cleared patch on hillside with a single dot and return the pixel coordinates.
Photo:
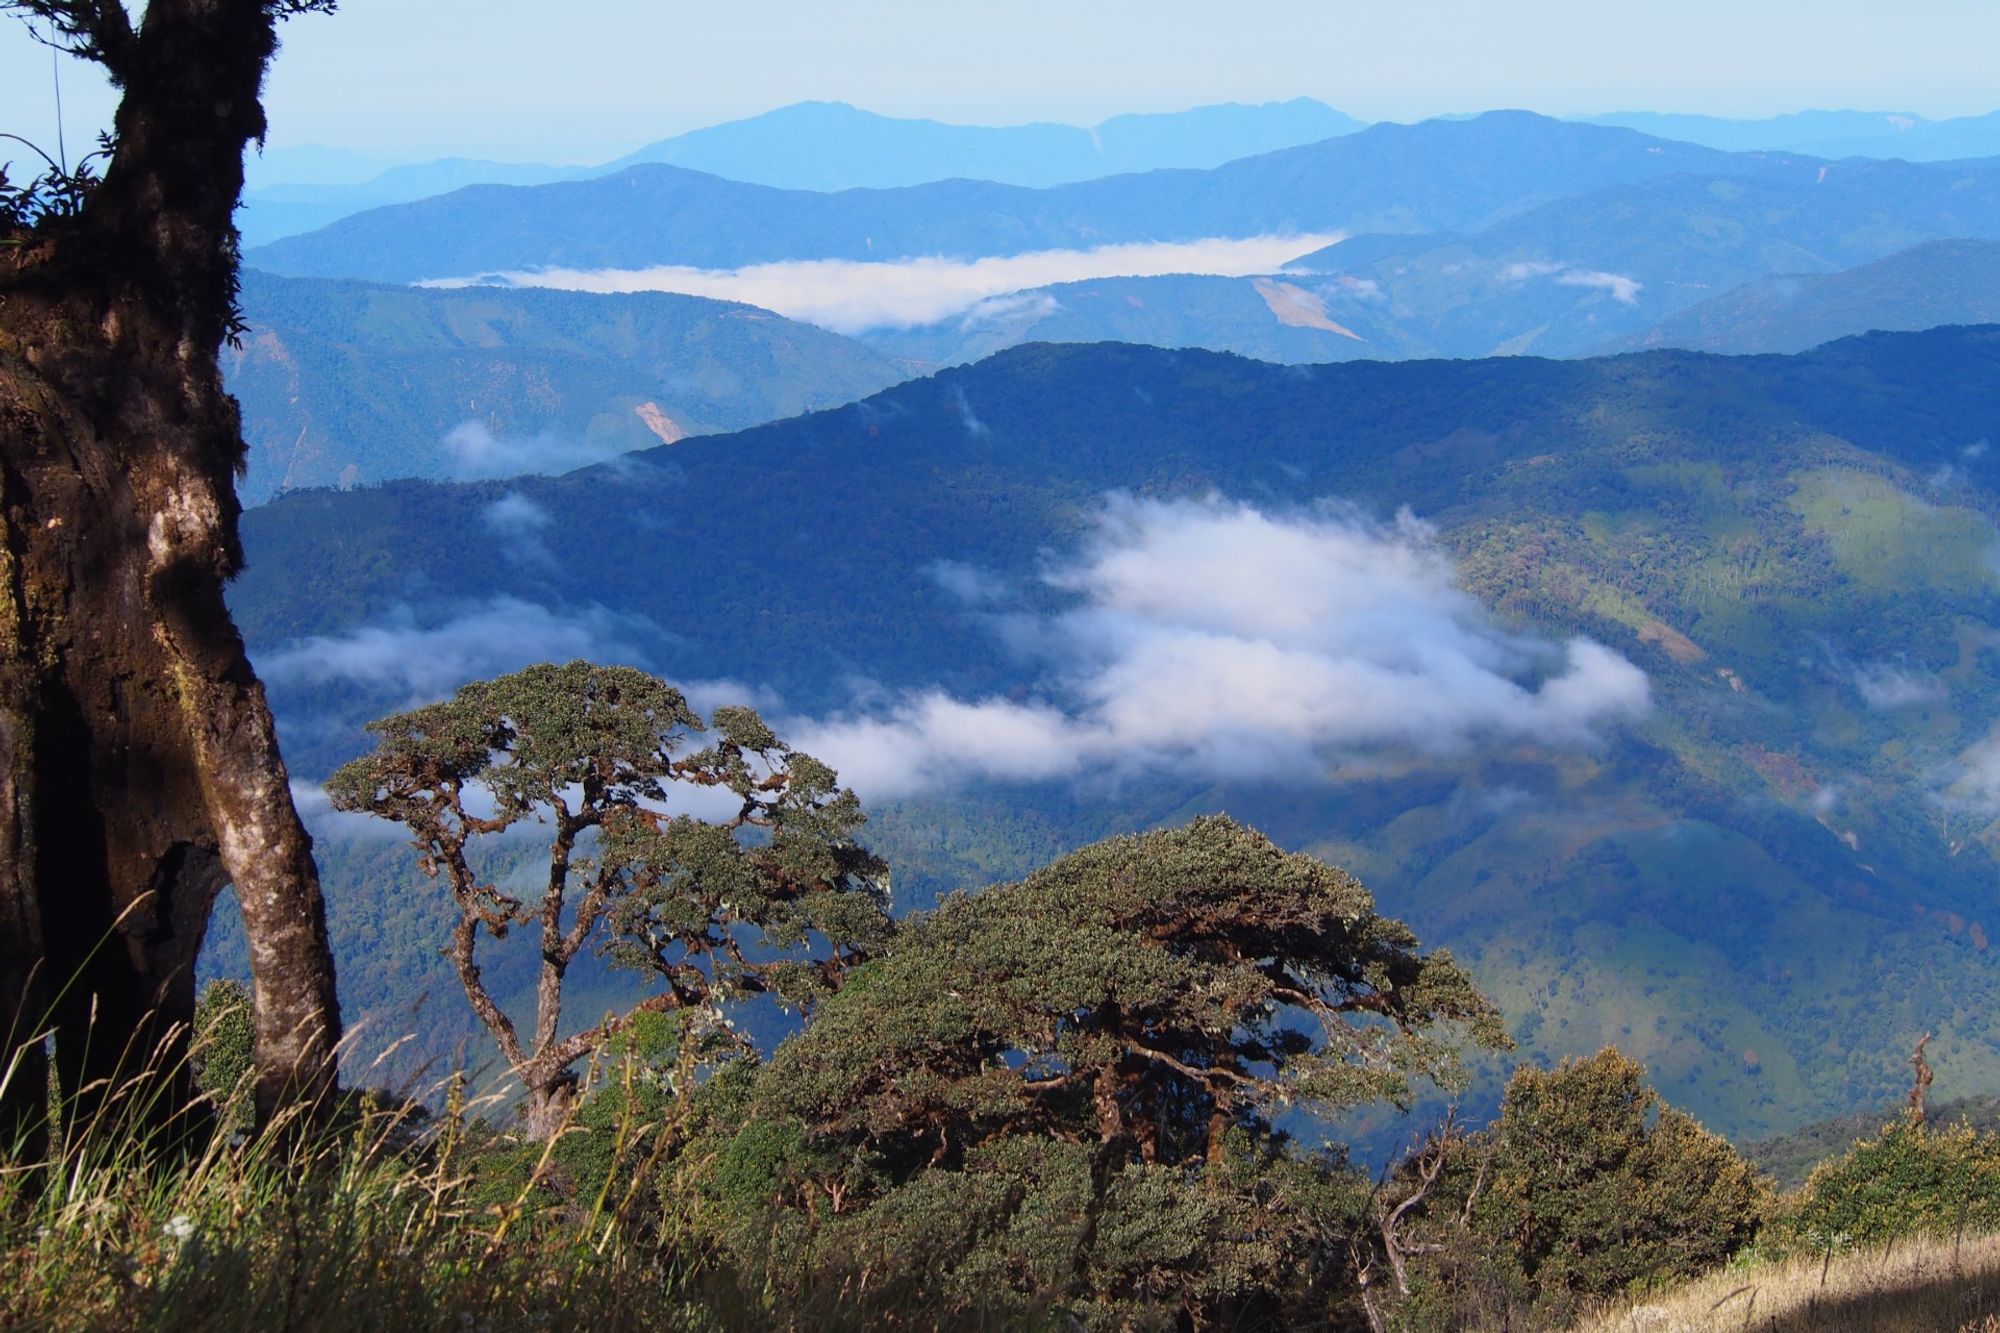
(1297, 308)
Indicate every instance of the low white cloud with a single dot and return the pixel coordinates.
(967, 583)
(1540, 268)
(1973, 783)
(1893, 687)
(1358, 289)
(514, 515)
(1621, 287)
(851, 296)
(477, 454)
(973, 425)
(1212, 636)
(1015, 307)
(418, 663)
(519, 523)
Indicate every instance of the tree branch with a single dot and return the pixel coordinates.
(464, 941)
(99, 31)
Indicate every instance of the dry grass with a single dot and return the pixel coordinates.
(372, 1222)
(1912, 1286)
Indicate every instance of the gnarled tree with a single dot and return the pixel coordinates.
(714, 909)
(139, 770)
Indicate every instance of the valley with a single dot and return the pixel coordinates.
(1795, 551)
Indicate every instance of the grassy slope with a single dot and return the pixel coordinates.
(1914, 1287)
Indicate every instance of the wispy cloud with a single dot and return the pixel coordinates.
(849, 296)
(1015, 307)
(519, 523)
(1621, 287)
(1894, 687)
(418, 663)
(970, 419)
(477, 454)
(1215, 637)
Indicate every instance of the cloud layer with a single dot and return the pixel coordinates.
(1215, 637)
(1202, 636)
(848, 296)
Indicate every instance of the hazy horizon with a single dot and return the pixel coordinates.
(495, 78)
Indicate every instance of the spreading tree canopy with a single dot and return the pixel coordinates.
(1071, 1084)
(768, 892)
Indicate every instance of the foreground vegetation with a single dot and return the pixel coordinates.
(1090, 1098)
(671, 1201)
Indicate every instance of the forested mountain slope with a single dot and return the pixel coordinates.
(1928, 285)
(345, 383)
(1763, 887)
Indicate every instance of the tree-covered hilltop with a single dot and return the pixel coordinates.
(1792, 549)
(346, 383)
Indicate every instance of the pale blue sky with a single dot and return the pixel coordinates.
(587, 79)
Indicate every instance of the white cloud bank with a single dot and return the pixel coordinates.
(1216, 637)
(850, 296)
(1207, 636)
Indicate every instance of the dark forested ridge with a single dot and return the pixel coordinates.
(1776, 541)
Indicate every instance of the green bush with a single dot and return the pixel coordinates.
(224, 1050)
(1908, 1180)
(1588, 1185)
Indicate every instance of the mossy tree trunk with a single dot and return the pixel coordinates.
(139, 769)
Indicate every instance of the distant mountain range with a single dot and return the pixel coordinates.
(1795, 550)
(1937, 283)
(1829, 134)
(344, 383)
(1596, 271)
(1436, 176)
(286, 209)
(833, 146)
(1571, 276)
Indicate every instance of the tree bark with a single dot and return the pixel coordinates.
(551, 1100)
(139, 768)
